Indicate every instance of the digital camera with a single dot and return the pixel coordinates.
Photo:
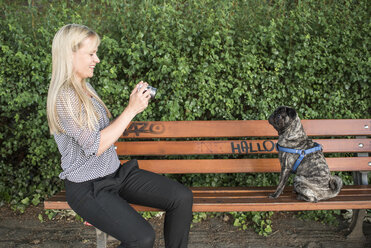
(152, 90)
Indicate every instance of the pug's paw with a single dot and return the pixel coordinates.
(273, 196)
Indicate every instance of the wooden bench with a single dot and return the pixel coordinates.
(235, 146)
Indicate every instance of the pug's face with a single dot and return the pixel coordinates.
(282, 118)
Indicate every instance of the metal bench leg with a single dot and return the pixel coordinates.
(356, 226)
(101, 238)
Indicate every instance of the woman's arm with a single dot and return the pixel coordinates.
(137, 103)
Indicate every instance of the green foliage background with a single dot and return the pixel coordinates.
(209, 59)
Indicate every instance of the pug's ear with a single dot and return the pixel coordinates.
(291, 112)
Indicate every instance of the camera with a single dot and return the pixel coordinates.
(152, 90)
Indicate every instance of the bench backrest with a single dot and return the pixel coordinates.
(155, 141)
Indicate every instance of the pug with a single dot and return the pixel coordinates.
(313, 181)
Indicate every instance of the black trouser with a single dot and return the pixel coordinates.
(104, 203)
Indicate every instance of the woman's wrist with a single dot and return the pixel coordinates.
(128, 113)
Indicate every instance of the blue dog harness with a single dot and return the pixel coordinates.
(317, 147)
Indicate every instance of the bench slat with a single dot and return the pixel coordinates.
(274, 205)
(270, 189)
(256, 195)
(230, 147)
(247, 128)
(242, 165)
(254, 199)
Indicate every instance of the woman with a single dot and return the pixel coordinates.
(97, 187)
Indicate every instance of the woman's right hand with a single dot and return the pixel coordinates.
(139, 98)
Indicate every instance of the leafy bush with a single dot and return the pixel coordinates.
(210, 60)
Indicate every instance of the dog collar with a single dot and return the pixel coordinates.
(302, 153)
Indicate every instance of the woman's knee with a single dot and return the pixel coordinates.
(184, 195)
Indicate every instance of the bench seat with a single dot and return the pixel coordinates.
(230, 199)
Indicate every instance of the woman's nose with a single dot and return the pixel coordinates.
(96, 59)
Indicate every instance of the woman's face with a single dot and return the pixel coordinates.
(85, 59)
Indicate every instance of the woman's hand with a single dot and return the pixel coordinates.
(139, 98)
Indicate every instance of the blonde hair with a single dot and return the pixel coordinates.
(67, 41)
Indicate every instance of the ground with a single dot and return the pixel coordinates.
(26, 231)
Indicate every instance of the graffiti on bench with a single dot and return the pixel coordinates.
(144, 127)
(249, 147)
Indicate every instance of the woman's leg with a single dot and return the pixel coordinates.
(111, 214)
(150, 189)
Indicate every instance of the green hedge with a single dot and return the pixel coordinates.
(209, 59)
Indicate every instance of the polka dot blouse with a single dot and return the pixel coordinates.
(79, 145)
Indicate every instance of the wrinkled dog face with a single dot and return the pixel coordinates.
(281, 118)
